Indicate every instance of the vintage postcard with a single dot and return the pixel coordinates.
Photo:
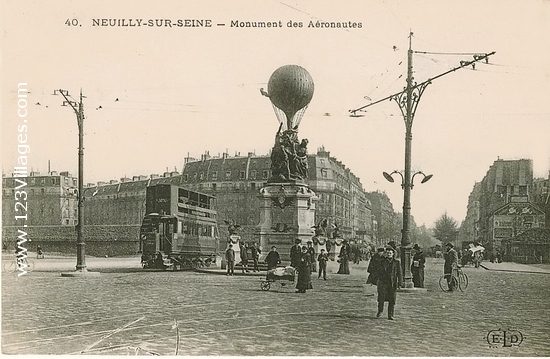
(275, 178)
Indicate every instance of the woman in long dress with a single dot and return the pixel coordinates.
(344, 258)
(304, 272)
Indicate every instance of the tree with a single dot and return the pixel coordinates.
(446, 229)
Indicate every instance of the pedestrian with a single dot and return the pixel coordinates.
(39, 252)
(344, 258)
(323, 259)
(417, 267)
(311, 252)
(394, 246)
(244, 257)
(451, 266)
(389, 280)
(273, 258)
(255, 252)
(374, 266)
(295, 253)
(230, 259)
(304, 272)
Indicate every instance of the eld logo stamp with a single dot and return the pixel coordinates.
(504, 338)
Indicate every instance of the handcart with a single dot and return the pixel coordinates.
(282, 275)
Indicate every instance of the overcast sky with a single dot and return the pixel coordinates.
(190, 90)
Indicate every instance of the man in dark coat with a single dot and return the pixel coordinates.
(304, 272)
(389, 280)
(244, 256)
(417, 266)
(230, 258)
(374, 266)
(450, 266)
(323, 259)
(311, 252)
(273, 258)
(295, 253)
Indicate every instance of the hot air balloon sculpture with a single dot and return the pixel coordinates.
(290, 89)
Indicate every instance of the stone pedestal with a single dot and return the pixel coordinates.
(287, 213)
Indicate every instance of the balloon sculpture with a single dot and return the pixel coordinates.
(290, 90)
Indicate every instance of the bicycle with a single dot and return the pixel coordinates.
(458, 279)
(15, 264)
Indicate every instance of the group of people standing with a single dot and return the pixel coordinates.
(247, 252)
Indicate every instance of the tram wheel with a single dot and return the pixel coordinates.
(265, 285)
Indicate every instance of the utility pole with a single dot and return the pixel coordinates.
(80, 245)
(408, 101)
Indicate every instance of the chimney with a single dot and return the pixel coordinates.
(113, 181)
(166, 174)
(101, 183)
(153, 176)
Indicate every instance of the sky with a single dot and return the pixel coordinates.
(187, 90)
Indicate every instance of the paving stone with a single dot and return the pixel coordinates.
(44, 313)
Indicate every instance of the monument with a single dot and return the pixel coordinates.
(287, 205)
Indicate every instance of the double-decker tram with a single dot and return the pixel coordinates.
(179, 230)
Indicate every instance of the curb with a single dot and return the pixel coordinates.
(514, 271)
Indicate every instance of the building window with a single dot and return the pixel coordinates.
(227, 175)
(253, 185)
(253, 174)
(523, 190)
(265, 174)
(195, 176)
(241, 175)
(214, 186)
(201, 176)
(215, 176)
(324, 173)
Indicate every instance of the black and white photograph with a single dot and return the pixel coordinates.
(275, 178)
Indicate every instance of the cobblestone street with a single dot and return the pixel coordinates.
(131, 311)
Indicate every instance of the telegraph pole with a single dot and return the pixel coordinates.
(80, 245)
(408, 100)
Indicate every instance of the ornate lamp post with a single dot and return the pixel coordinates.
(81, 268)
(408, 100)
(407, 183)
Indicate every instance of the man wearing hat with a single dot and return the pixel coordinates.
(295, 253)
(374, 266)
(417, 266)
(311, 252)
(389, 280)
(450, 266)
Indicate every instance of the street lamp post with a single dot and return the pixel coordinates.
(408, 100)
(407, 183)
(78, 109)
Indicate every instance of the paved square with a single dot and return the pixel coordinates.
(129, 311)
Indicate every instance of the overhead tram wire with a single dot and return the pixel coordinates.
(449, 53)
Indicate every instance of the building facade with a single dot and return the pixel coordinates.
(113, 210)
(502, 205)
(235, 181)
